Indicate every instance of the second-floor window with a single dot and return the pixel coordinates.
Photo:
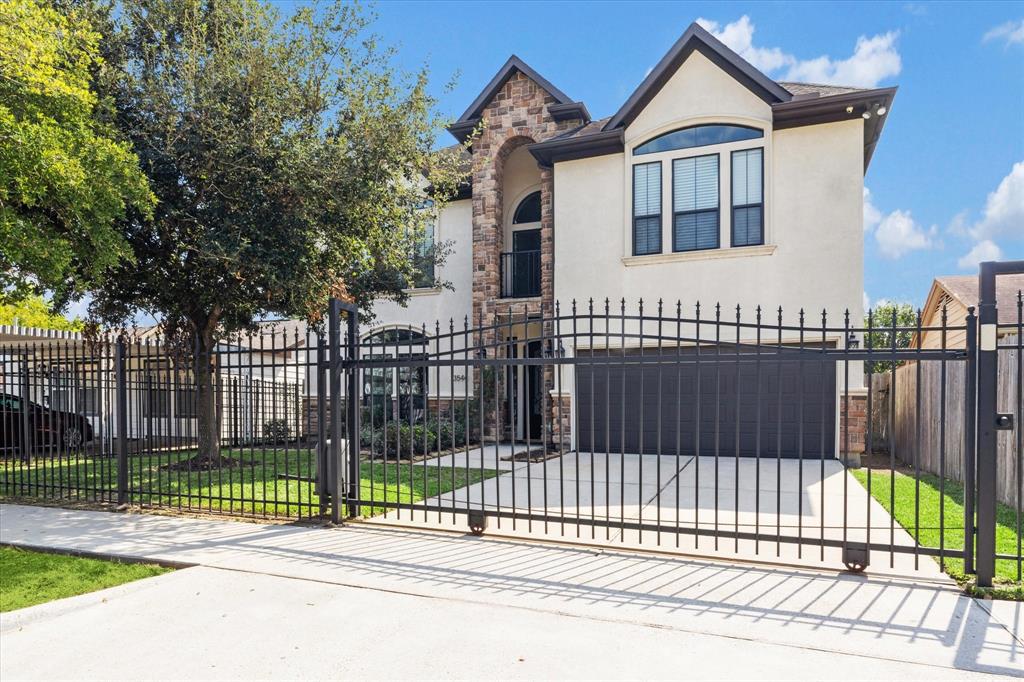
(424, 259)
(695, 203)
(748, 197)
(646, 209)
(714, 193)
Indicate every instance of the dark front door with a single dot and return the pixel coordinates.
(767, 409)
(534, 393)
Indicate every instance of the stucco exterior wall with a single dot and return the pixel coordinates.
(813, 257)
(426, 306)
(430, 306)
(698, 88)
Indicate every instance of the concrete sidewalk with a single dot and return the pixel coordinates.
(273, 601)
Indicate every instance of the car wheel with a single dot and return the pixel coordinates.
(72, 437)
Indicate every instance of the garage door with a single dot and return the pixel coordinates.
(626, 407)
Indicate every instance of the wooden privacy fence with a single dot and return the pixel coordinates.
(919, 433)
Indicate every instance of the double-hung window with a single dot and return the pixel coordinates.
(748, 197)
(646, 208)
(695, 217)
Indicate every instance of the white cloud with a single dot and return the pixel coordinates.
(874, 58)
(1011, 32)
(872, 216)
(984, 250)
(867, 301)
(898, 234)
(1004, 208)
(739, 36)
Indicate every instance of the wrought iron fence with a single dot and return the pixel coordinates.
(121, 420)
(740, 432)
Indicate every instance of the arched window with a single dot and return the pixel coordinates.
(396, 335)
(409, 385)
(698, 136)
(528, 210)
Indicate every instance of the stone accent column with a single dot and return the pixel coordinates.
(516, 116)
(856, 403)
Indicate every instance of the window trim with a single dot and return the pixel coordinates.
(659, 215)
(732, 198)
(718, 208)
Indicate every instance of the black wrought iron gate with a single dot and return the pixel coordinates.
(748, 433)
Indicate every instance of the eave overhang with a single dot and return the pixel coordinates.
(849, 106)
(552, 151)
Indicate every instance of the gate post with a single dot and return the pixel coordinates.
(334, 459)
(323, 395)
(988, 417)
(352, 408)
(121, 398)
(970, 436)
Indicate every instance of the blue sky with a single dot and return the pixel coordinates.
(947, 178)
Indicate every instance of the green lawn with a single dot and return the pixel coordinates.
(932, 502)
(253, 488)
(29, 578)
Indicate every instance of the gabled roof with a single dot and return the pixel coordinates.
(792, 104)
(564, 108)
(697, 38)
(964, 289)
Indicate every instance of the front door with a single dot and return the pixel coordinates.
(534, 394)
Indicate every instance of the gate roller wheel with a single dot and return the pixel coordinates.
(477, 523)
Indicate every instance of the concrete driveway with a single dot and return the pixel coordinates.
(809, 500)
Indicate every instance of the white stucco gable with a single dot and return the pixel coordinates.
(699, 90)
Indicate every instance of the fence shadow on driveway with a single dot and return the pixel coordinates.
(916, 621)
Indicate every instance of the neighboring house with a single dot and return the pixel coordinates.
(67, 372)
(956, 293)
(711, 183)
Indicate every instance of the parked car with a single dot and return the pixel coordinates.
(48, 427)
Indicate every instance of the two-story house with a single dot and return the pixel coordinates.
(711, 183)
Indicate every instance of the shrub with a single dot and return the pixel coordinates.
(276, 430)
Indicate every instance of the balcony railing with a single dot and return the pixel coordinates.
(520, 274)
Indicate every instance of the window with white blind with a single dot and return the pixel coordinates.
(748, 197)
(695, 203)
(646, 208)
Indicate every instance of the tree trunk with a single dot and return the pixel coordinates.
(208, 425)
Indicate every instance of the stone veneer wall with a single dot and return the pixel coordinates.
(517, 116)
(857, 419)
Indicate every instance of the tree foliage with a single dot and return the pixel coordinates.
(288, 156)
(64, 177)
(34, 311)
(889, 322)
(290, 160)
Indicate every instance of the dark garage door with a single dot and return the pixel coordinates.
(612, 417)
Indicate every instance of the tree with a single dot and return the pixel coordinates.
(33, 311)
(881, 321)
(290, 160)
(64, 177)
